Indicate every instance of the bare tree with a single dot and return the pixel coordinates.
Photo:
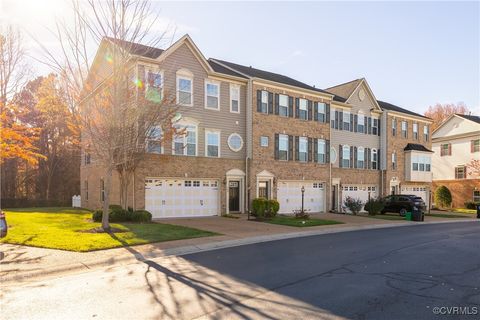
(114, 115)
(440, 112)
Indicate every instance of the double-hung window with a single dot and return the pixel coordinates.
(476, 196)
(404, 129)
(212, 139)
(283, 105)
(445, 149)
(303, 149)
(321, 151)
(234, 98)
(185, 89)
(374, 159)
(346, 156)
(375, 126)
(394, 127)
(415, 161)
(360, 157)
(321, 112)
(212, 95)
(264, 102)
(425, 133)
(153, 85)
(185, 142)
(346, 121)
(475, 146)
(283, 147)
(460, 172)
(415, 131)
(303, 109)
(154, 140)
(361, 123)
(394, 161)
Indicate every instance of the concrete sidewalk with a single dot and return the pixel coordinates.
(24, 264)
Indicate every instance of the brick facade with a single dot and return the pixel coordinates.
(462, 190)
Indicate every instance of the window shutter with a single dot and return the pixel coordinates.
(297, 107)
(378, 159)
(277, 103)
(355, 123)
(327, 151)
(449, 149)
(327, 113)
(365, 157)
(276, 146)
(290, 107)
(351, 122)
(365, 124)
(296, 148)
(315, 111)
(378, 130)
(259, 100)
(336, 119)
(472, 146)
(369, 157)
(309, 117)
(290, 147)
(315, 150)
(340, 114)
(340, 156)
(351, 157)
(355, 157)
(270, 103)
(395, 124)
(310, 149)
(369, 125)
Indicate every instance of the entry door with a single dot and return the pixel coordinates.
(263, 189)
(234, 196)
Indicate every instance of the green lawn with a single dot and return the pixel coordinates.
(293, 222)
(445, 215)
(59, 228)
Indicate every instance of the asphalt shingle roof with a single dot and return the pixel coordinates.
(219, 68)
(137, 48)
(470, 117)
(416, 147)
(392, 107)
(344, 90)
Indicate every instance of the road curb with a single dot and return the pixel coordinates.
(180, 251)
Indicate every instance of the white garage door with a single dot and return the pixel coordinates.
(166, 198)
(359, 191)
(289, 195)
(420, 191)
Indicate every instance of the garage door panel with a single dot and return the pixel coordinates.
(289, 196)
(420, 191)
(359, 191)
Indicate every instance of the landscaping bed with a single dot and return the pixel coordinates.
(295, 222)
(68, 229)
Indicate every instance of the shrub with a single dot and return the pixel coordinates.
(354, 205)
(272, 207)
(443, 197)
(470, 205)
(115, 207)
(259, 205)
(142, 216)
(97, 215)
(374, 206)
(123, 216)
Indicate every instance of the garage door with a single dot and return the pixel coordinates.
(289, 195)
(166, 198)
(359, 191)
(420, 191)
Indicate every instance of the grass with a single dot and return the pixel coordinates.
(293, 222)
(59, 228)
(445, 215)
(463, 210)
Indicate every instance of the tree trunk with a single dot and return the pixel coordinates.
(106, 202)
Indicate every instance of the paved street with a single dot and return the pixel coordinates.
(392, 273)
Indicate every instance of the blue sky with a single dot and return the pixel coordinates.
(413, 54)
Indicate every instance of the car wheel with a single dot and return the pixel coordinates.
(403, 212)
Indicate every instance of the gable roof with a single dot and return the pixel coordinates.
(416, 147)
(392, 107)
(137, 48)
(266, 75)
(345, 90)
(469, 117)
(222, 69)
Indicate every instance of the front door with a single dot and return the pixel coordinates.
(263, 189)
(234, 196)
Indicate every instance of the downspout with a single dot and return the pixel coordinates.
(249, 134)
(133, 190)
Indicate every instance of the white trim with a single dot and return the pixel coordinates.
(233, 86)
(215, 83)
(184, 74)
(216, 132)
(241, 142)
(185, 124)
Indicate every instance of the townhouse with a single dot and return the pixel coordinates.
(456, 142)
(253, 133)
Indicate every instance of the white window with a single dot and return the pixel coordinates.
(212, 142)
(263, 141)
(361, 123)
(283, 147)
(185, 141)
(425, 133)
(415, 160)
(404, 129)
(374, 159)
(360, 157)
(321, 151)
(460, 172)
(153, 85)
(321, 112)
(346, 156)
(394, 127)
(283, 105)
(303, 109)
(235, 142)
(234, 98)
(394, 161)
(476, 196)
(415, 131)
(346, 121)
(264, 105)
(374, 126)
(184, 90)
(303, 149)
(212, 95)
(154, 140)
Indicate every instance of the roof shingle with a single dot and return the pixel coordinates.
(470, 117)
(137, 48)
(416, 147)
(392, 107)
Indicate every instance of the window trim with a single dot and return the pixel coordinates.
(214, 83)
(265, 93)
(302, 140)
(183, 74)
(281, 106)
(346, 119)
(464, 172)
(234, 87)
(415, 131)
(363, 160)
(324, 113)
(346, 147)
(394, 160)
(241, 142)
(374, 151)
(147, 140)
(473, 196)
(185, 125)
(324, 143)
(404, 132)
(473, 145)
(280, 136)
(218, 134)
(261, 145)
(300, 109)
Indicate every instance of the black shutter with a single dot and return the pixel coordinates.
(340, 156)
(277, 103)
(270, 103)
(309, 117)
(327, 112)
(351, 157)
(290, 147)
(276, 146)
(378, 159)
(368, 158)
(315, 150)
(340, 116)
(327, 151)
(355, 123)
(365, 122)
(355, 157)
(351, 122)
(369, 125)
(290, 107)
(315, 111)
(297, 107)
(365, 158)
(310, 149)
(297, 140)
(378, 130)
(259, 100)
(336, 119)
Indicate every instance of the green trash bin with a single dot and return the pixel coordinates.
(408, 216)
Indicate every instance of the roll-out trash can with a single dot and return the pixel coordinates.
(408, 216)
(417, 214)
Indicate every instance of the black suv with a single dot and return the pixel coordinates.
(402, 203)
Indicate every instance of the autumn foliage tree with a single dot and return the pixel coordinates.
(440, 112)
